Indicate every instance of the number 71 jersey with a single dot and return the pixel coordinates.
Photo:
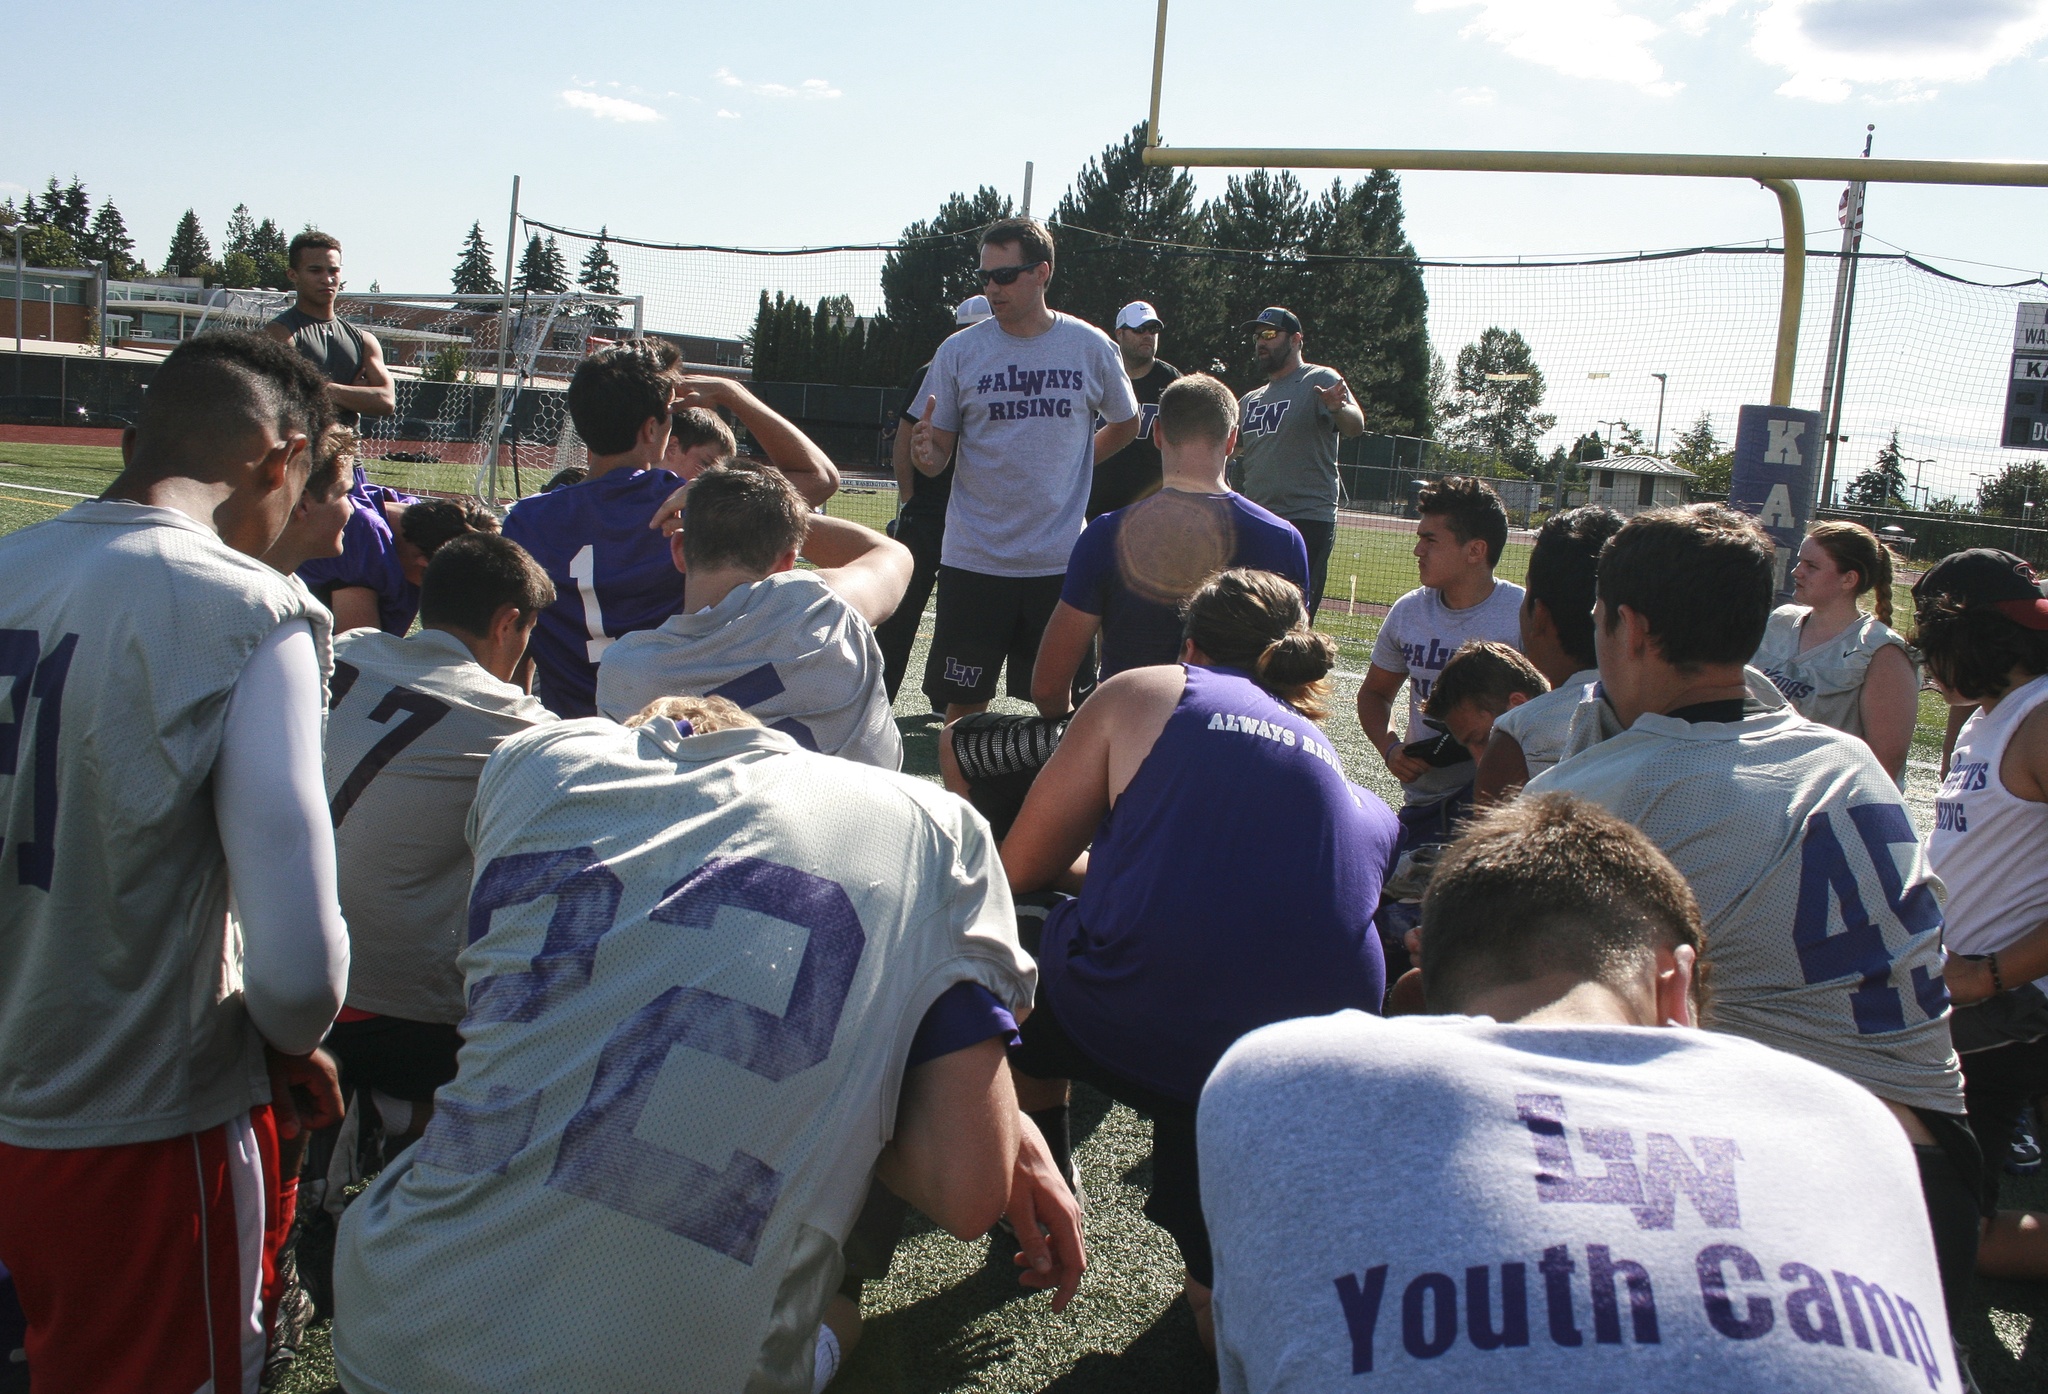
(1822, 918)
(695, 968)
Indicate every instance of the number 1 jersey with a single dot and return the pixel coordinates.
(1823, 926)
(695, 968)
(613, 575)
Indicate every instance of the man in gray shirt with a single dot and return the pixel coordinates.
(1287, 439)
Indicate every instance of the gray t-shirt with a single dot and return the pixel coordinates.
(1025, 412)
(1447, 1203)
(1418, 637)
(1287, 446)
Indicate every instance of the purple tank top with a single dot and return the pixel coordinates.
(1233, 885)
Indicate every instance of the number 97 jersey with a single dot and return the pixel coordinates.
(1821, 920)
(695, 967)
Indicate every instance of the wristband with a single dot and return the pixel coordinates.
(1997, 978)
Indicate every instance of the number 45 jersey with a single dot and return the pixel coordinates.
(412, 722)
(1822, 920)
(695, 967)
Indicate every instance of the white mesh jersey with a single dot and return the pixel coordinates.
(1987, 841)
(1541, 724)
(695, 968)
(786, 648)
(413, 721)
(1594, 721)
(1822, 918)
(123, 630)
(1826, 682)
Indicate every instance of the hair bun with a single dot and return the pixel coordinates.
(1296, 659)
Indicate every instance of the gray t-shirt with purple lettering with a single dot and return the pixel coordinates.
(1448, 1203)
(1025, 412)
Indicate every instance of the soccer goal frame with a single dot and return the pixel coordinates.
(1776, 173)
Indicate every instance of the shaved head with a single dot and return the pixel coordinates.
(218, 394)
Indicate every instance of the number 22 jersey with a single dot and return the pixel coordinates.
(1822, 923)
(613, 575)
(696, 966)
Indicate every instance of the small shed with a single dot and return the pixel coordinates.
(1628, 484)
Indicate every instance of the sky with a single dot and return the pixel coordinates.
(779, 124)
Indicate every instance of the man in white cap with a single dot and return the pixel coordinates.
(1134, 471)
(920, 521)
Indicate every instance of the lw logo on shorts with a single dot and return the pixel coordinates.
(961, 674)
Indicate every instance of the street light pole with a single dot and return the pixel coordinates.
(1610, 425)
(1663, 381)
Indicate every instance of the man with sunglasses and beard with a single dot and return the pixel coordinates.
(1013, 400)
(1287, 439)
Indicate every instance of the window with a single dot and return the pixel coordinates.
(1646, 491)
(1607, 479)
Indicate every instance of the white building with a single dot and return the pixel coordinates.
(1628, 484)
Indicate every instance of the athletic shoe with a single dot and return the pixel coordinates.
(294, 1317)
(2024, 1156)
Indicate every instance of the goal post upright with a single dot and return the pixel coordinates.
(1774, 172)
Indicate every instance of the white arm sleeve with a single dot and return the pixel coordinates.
(270, 801)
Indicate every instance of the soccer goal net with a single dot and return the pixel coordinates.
(471, 374)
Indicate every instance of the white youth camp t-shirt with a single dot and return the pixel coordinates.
(1448, 1203)
(1025, 411)
(1418, 637)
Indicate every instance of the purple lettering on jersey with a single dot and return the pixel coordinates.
(752, 688)
(1440, 1295)
(1880, 1307)
(1602, 1268)
(586, 900)
(1361, 1305)
(1649, 1192)
(1514, 1306)
(478, 1139)
(1711, 1266)
(1810, 1311)
(1557, 1179)
(1710, 1187)
(1557, 1268)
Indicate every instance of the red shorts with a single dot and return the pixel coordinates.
(148, 1266)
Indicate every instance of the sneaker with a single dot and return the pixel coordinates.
(2023, 1158)
(288, 1331)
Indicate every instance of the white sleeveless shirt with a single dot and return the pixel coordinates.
(1825, 683)
(1987, 842)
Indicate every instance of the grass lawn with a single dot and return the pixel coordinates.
(950, 1316)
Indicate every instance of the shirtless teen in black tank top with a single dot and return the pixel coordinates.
(350, 357)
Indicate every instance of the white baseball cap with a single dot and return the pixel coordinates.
(973, 310)
(1137, 315)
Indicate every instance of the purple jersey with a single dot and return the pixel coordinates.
(1133, 568)
(1194, 928)
(369, 558)
(613, 575)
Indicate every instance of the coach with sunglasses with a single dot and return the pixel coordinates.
(1287, 439)
(1018, 395)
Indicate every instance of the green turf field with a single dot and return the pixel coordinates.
(950, 1316)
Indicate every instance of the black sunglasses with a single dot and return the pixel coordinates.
(1007, 275)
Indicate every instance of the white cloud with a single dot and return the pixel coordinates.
(609, 108)
(1473, 96)
(725, 115)
(1896, 49)
(814, 89)
(1595, 39)
(1701, 16)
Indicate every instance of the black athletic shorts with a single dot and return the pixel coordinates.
(405, 1059)
(1175, 1202)
(1000, 755)
(984, 623)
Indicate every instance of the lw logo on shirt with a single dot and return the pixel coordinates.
(1031, 383)
(1147, 413)
(1651, 1190)
(1263, 417)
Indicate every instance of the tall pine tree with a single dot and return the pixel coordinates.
(600, 276)
(542, 270)
(107, 240)
(474, 273)
(190, 254)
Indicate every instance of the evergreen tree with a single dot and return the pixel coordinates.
(1264, 217)
(542, 271)
(600, 276)
(74, 213)
(1702, 452)
(474, 273)
(241, 233)
(107, 240)
(932, 271)
(1495, 392)
(267, 244)
(1369, 317)
(9, 214)
(1883, 485)
(46, 244)
(190, 254)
